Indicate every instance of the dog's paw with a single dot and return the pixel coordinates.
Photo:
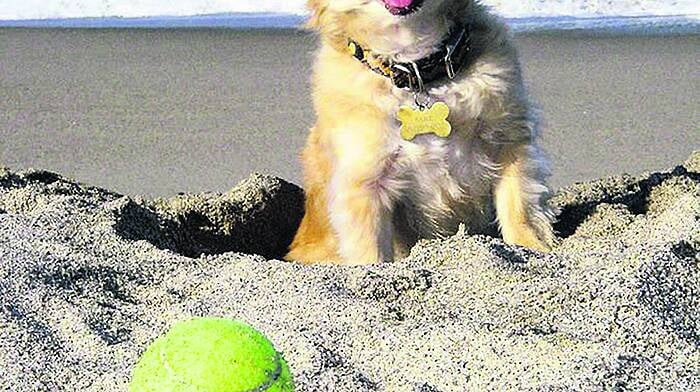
(537, 237)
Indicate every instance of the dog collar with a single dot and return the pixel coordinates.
(414, 75)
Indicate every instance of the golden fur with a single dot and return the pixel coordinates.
(370, 195)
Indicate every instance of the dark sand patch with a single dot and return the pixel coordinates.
(88, 278)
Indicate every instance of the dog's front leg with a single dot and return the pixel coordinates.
(520, 197)
(359, 212)
(360, 220)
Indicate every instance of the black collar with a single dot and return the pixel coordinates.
(454, 55)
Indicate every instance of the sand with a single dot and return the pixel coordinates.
(89, 277)
(157, 112)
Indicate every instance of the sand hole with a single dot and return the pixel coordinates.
(634, 194)
(259, 216)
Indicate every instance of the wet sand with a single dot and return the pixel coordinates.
(157, 112)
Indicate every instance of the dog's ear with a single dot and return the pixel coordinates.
(318, 9)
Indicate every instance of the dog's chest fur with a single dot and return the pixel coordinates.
(439, 182)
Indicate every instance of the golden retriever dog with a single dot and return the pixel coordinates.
(423, 124)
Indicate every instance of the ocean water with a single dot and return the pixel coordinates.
(666, 16)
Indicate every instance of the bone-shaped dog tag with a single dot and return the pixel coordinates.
(424, 120)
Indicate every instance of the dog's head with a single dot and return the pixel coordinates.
(374, 21)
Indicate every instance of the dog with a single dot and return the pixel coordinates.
(423, 124)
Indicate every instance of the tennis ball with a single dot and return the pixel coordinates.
(211, 355)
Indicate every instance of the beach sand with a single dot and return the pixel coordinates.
(157, 112)
(89, 277)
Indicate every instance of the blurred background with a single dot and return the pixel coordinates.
(158, 97)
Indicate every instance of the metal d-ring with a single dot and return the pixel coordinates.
(419, 90)
(449, 66)
(419, 78)
(411, 72)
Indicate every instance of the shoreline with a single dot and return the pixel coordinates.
(647, 25)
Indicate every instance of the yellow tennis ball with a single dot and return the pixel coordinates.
(211, 355)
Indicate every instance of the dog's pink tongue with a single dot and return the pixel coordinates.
(398, 3)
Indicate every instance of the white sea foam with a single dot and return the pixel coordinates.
(594, 8)
(57, 9)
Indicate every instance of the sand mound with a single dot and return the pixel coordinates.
(88, 278)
